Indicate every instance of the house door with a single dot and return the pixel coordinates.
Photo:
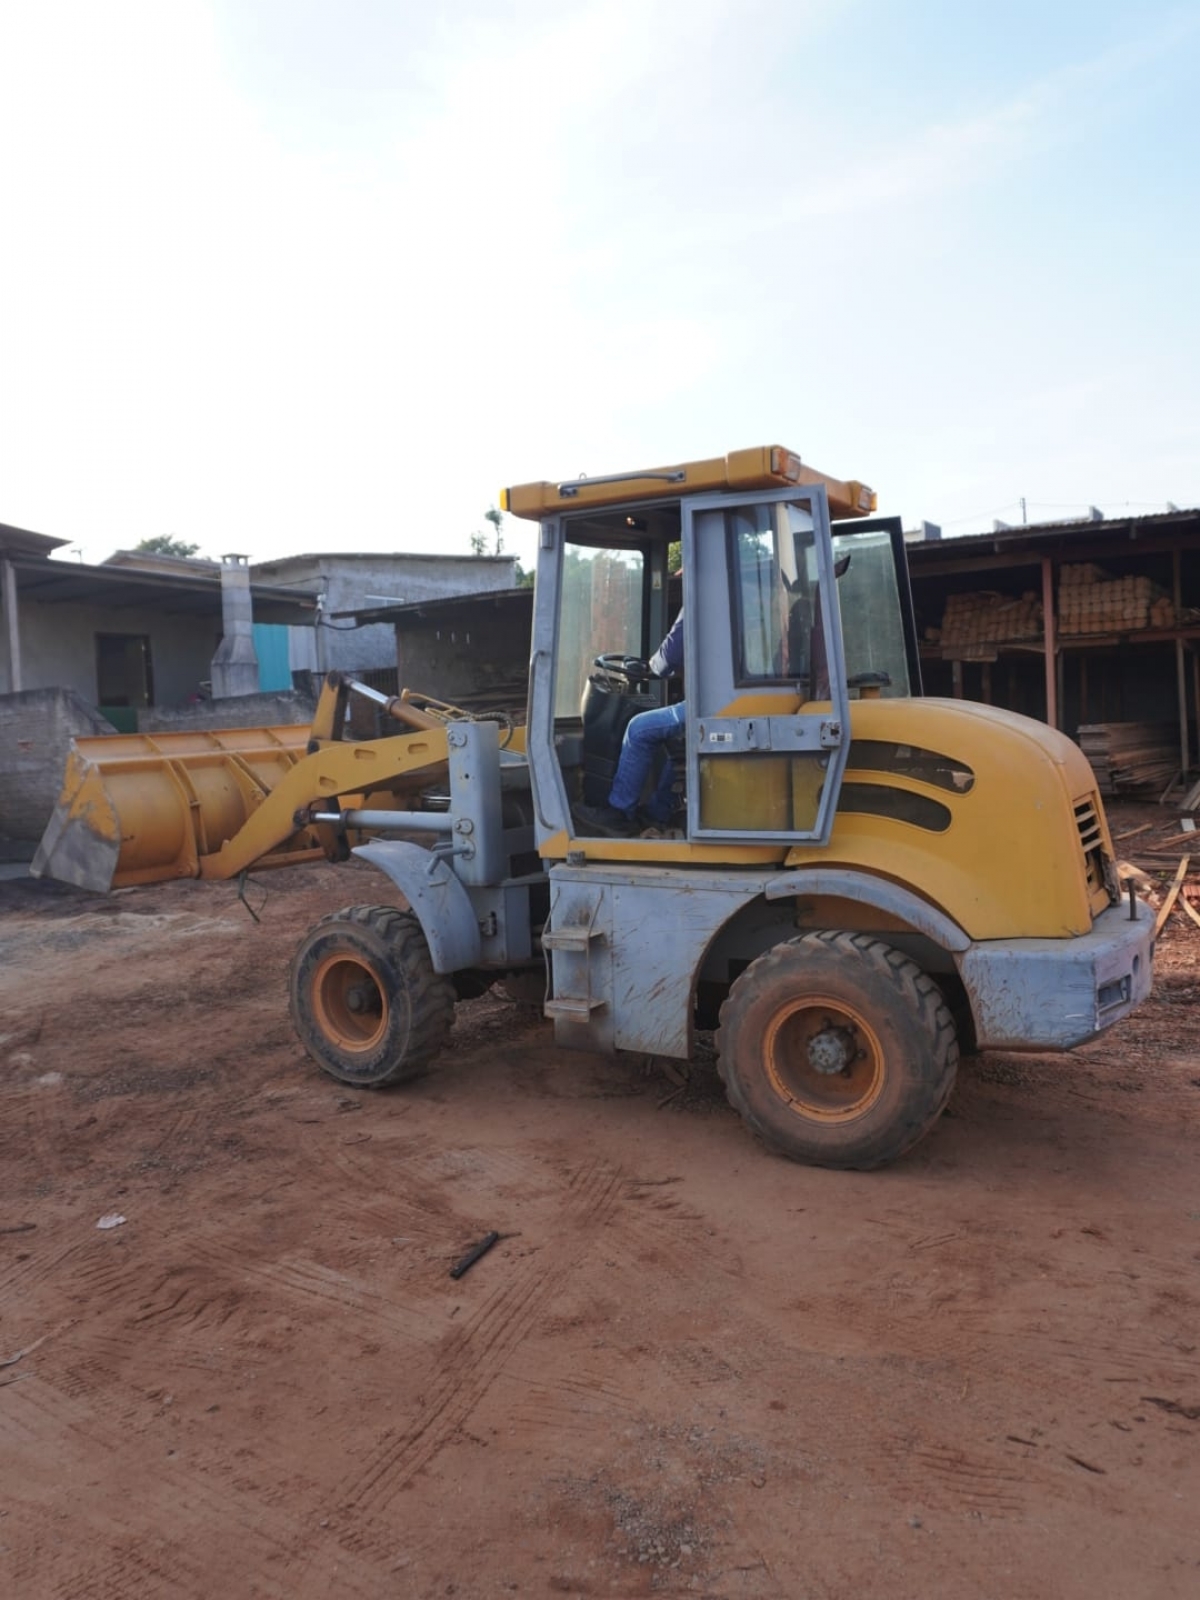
(124, 677)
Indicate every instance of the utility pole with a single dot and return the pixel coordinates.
(1023, 522)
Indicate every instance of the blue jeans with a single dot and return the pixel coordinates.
(644, 734)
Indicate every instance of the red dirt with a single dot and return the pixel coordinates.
(688, 1368)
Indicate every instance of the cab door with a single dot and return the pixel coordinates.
(768, 710)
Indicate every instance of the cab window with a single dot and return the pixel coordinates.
(872, 621)
(774, 589)
(601, 614)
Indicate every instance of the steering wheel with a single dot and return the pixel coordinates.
(632, 668)
(869, 680)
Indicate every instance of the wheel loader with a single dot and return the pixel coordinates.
(861, 883)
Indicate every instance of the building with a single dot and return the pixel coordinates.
(350, 586)
(1076, 623)
(140, 629)
(123, 635)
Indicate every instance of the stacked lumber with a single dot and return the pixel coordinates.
(986, 617)
(1130, 756)
(1090, 600)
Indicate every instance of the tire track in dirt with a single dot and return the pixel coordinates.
(475, 1354)
(661, 1230)
(374, 1162)
(260, 1529)
(132, 1569)
(300, 1279)
(42, 1112)
(86, 1263)
(570, 1403)
(434, 1199)
(951, 1478)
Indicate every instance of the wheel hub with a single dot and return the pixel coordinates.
(832, 1050)
(824, 1059)
(349, 1004)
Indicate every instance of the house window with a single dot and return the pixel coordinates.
(124, 676)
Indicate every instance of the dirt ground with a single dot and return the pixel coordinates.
(688, 1367)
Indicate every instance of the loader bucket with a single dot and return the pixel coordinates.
(144, 808)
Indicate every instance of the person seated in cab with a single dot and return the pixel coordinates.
(623, 815)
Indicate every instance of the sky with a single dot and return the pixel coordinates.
(285, 276)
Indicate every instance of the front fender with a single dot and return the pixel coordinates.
(436, 898)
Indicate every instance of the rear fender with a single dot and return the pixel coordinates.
(846, 884)
(436, 898)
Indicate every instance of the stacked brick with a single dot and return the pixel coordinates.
(1090, 600)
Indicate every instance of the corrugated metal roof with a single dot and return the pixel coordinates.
(23, 541)
(443, 609)
(189, 594)
(1076, 530)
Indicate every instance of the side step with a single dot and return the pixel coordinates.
(577, 938)
(574, 1010)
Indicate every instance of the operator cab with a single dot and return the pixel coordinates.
(785, 622)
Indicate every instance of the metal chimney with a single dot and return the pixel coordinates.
(235, 665)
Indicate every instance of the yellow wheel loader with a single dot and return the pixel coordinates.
(857, 883)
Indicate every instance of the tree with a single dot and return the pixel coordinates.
(165, 544)
(495, 516)
(479, 541)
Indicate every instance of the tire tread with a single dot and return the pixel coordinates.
(430, 995)
(919, 993)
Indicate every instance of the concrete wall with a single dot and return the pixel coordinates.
(368, 581)
(36, 729)
(284, 707)
(58, 647)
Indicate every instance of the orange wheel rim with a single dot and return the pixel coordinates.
(349, 1003)
(824, 1059)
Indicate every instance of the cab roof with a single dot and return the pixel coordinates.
(764, 467)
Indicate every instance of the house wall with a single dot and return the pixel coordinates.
(58, 647)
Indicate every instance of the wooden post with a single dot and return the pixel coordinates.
(1051, 642)
(1180, 666)
(8, 582)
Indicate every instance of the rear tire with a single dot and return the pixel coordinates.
(364, 999)
(837, 1050)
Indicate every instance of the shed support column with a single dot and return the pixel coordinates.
(1051, 642)
(8, 582)
(1180, 665)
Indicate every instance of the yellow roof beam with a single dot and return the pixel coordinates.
(764, 467)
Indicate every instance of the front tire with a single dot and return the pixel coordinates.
(365, 1001)
(837, 1050)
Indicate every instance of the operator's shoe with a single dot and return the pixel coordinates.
(604, 822)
